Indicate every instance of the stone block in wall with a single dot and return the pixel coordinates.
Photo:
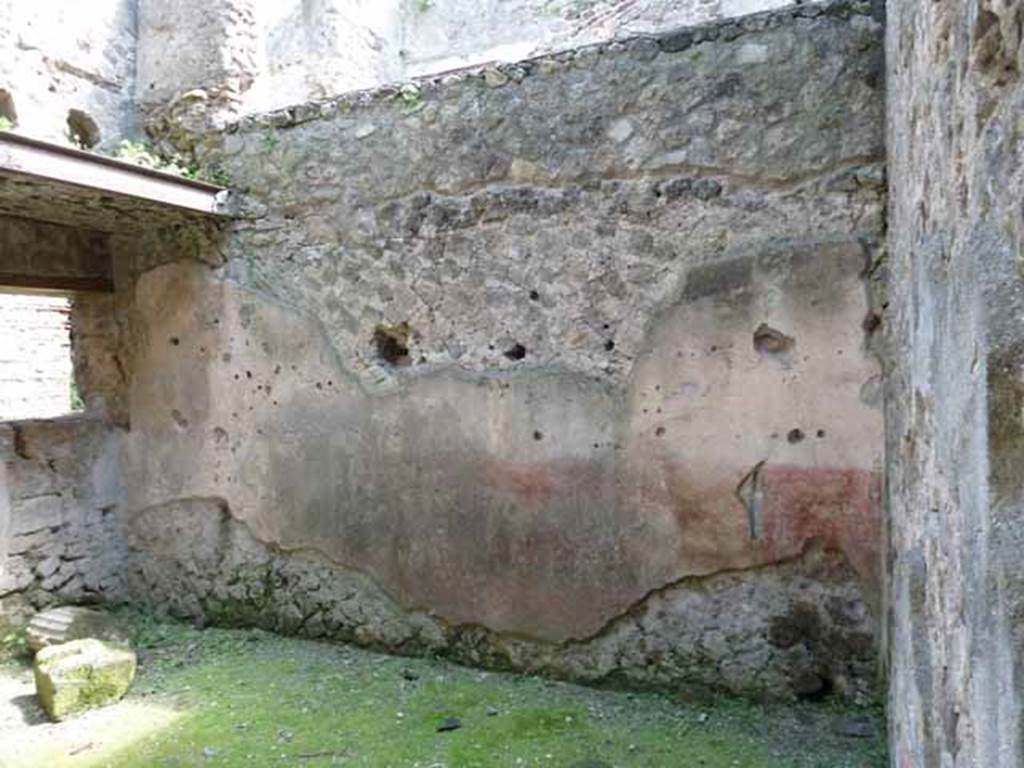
(36, 514)
(40, 544)
(16, 576)
(15, 610)
(30, 479)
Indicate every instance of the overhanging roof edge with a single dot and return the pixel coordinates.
(53, 163)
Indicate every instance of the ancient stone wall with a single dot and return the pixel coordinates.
(67, 69)
(559, 365)
(61, 487)
(60, 479)
(954, 422)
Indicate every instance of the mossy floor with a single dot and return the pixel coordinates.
(247, 698)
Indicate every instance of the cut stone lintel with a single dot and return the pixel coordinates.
(42, 257)
(47, 182)
(11, 282)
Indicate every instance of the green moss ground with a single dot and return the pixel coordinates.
(247, 698)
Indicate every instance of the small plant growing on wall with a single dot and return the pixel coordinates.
(144, 156)
(410, 98)
(141, 154)
(8, 114)
(75, 400)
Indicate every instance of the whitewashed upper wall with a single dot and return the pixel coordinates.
(105, 57)
(447, 34)
(59, 55)
(271, 53)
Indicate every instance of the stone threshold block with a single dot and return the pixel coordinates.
(74, 677)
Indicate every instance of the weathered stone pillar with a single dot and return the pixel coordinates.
(196, 61)
(954, 419)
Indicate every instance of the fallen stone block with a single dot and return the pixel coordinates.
(61, 625)
(81, 675)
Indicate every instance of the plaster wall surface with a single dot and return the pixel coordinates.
(954, 421)
(541, 365)
(62, 55)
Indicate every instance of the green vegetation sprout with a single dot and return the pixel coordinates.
(410, 98)
(143, 155)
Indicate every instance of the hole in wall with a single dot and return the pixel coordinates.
(772, 344)
(82, 129)
(392, 343)
(515, 352)
(871, 323)
(7, 109)
(814, 686)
